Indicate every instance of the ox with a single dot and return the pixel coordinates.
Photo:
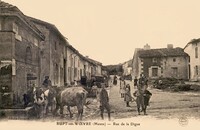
(40, 99)
(70, 97)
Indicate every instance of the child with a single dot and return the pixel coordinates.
(127, 97)
(142, 99)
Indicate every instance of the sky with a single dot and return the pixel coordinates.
(109, 30)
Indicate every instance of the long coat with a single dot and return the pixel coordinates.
(127, 97)
(122, 86)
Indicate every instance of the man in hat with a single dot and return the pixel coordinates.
(104, 101)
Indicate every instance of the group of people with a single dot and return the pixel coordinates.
(142, 94)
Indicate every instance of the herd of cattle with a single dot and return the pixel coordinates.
(41, 99)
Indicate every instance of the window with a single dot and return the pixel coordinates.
(15, 28)
(75, 72)
(69, 73)
(174, 59)
(161, 70)
(16, 31)
(56, 74)
(72, 61)
(154, 72)
(28, 57)
(78, 63)
(196, 70)
(196, 52)
(0, 25)
(35, 42)
(154, 60)
(55, 45)
(174, 71)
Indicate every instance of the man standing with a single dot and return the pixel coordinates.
(135, 82)
(104, 101)
(122, 88)
(46, 82)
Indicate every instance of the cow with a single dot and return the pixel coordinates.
(70, 97)
(40, 99)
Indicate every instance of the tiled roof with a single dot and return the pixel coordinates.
(8, 9)
(5, 5)
(94, 61)
(193, 41)
(48, 25)
(163, 52)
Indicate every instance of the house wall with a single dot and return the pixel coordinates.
(44, 54)
(164, 66)
(53, 56)
(181, 63)
(147, 64)
(135, 64)
(71, 55)
(190, 50)
(19, 44)
(98, 70)
(57, 51)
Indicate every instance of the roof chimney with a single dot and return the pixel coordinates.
(147, 47)
(169, 46)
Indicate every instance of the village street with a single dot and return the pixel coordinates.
(163, 105)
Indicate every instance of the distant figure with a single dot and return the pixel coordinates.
(94, 89)
(47, 82)
(75, 83)
(104, 101)
(115, 80)
(122, 88)
(142, 82)
(145, 82)
(135, 82)
(127, 97)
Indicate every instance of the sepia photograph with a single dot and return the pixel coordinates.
(99, 64)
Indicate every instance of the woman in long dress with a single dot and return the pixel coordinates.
(122, 88)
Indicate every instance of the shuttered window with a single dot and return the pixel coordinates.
(196, 52)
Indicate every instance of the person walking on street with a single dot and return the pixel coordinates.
(127, 97)
(47, 82)
(104, 101)
(122, 88)
(140, 100)
(135, 82)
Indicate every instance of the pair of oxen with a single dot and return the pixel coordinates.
(41, 99)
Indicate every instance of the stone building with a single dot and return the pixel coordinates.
(19, 55)
(163, 62)
(96, 66)
(193, 50)
(53, 52)
(127, 68)
(31, 49)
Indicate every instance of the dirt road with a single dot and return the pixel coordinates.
(163, 105)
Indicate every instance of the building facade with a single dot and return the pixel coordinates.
(164, 62)
(53, 60)
(19, 55)
(31, 49)
(193, 50)
(127, 68)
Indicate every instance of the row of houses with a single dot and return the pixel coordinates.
(31, 49)
(127, 68)
(169, 62)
